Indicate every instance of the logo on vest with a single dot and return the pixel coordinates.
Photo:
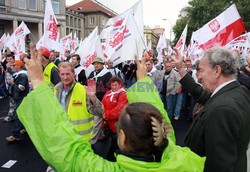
(77, 103)
(46, 75)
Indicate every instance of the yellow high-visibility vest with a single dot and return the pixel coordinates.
(47, 74)
(77, 110)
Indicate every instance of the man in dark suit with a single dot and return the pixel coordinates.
(221, 130)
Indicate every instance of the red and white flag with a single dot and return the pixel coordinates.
(51, 31)
(74, 44)
(221, 30)
(160, 46)
(16, 42)
(180, 45)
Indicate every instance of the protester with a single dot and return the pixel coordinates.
(79, 70)
(102, 76)
(170, 86)
(154, 74)
(114, 70)
(53, 58)
(9, 79)
(142, 133)
(113, 101)
(79, 104)
(128, 71)
(221, 130)
(50, 72)
(19, 89)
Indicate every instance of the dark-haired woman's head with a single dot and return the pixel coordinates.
(135, 131)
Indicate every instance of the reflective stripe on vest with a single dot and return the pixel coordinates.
(77, 110)
(47, 74)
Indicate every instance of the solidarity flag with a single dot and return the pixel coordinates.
(51, 31)
(16, 42)
(221, 30)
(88, 50)
(122, 36)
(241, 44)
(180, 45)
(160, 46)
(74, 43)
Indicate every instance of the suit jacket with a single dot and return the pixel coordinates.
(221, 130)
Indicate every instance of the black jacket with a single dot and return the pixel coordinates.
(221, 130)
(20, 88)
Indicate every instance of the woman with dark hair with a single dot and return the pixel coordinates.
(143, 135)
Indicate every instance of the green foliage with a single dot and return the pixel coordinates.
(199, 12)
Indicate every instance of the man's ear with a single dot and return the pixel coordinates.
(217, 71)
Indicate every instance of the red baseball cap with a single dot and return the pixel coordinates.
(46, 52)
(18, 63)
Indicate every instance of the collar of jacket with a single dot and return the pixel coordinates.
(146, 158)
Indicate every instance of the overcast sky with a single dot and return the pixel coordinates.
(154, 10)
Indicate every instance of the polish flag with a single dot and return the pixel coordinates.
(180, 45)
(221, 30)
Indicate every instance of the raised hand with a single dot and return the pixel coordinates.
(178, 60)
(91, 90)
(141, 71)
(34, 67)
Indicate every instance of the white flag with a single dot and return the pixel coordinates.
(160, 46)
(16, 42)
(39, 43)
(51, 31)
(74, 43)
(2, 41)
(133, 41)
(88, 50)
(180, 45)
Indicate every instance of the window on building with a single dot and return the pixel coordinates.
(32, 5)
(22, 4)
(71, 21)
(103, 21)
(79, 23)
(79, 35)
(75, 22)
(1, 30)
(55, 5)
(91, 20)
(2, 2)
(67, 31)
(67, 20)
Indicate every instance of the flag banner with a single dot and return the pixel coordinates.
(135, 43)
(160, 46)
(241, 44)
(221, 30)
(51, 31)
(3, 41)
(16, 42)
(39, 43)
(122, 42)
(88, 50)
(74, 44)
(180, 45)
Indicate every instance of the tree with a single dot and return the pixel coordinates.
(199, 12)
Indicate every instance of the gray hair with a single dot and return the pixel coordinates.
(224, 58)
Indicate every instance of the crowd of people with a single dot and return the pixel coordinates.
(104, 127)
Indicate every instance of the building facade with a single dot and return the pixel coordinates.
(74, 23)
(13, 12)
(151, 36)
(95, 14)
